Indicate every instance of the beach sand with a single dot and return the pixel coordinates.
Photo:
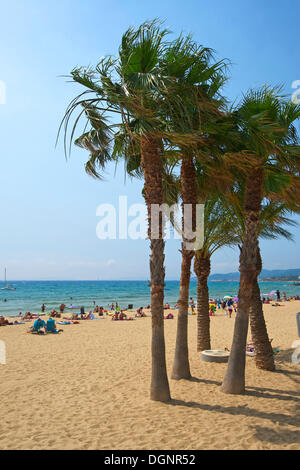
(88, 388)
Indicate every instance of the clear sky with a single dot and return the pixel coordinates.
(47, 204)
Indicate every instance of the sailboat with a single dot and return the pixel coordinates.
(7, 287)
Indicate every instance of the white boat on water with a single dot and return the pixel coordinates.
(7, 287)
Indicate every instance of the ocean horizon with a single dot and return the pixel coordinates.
(30, 295)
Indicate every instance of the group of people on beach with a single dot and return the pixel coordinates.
(228, 305)
(42, 327)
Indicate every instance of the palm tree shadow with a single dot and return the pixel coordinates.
(243, 410)
(259, 393)
(205, 381)
(289, 393)
(283, 436)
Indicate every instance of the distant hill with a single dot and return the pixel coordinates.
(266, 274)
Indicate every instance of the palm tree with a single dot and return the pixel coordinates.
(128, 88)
(192, 108)
(139, 88)
(219, 231)
(197, 81)
(224, 226)
(269, 142)
(273, 218)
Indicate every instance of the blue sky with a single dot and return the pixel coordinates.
(47, 204)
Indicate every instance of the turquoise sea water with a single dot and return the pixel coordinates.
(30, 295)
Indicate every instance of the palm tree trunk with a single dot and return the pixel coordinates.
(264, 356)
(202, 271)
(181, 366)
(152, 169)
(234, 380)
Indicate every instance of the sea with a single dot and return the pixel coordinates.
(30, 295)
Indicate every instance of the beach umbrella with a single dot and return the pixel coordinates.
(227, 297)
(236, 299)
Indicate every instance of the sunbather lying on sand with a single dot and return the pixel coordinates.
(89, 316)
(3, 322)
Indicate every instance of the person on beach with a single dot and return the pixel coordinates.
(101, 312)
(278, 295)
(38, 325)
(192, 304)
(3, 322)
(212, 309)
(89, 316)
(170, 316)
(82, 312)
(28, 316)
(230, 310)
(122, 315)
(284, 297)
(115, 316)
(51, 326)
(140, 313)
(43, 308)
(61, 308)
(54, 313)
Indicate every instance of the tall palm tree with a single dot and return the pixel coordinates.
(193, 108)
(273, 217)
(128, 89)
(219, 231)
(269, 142)
(198, 79)
(224, 226)
(139, 89)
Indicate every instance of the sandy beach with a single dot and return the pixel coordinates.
(88, 388)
